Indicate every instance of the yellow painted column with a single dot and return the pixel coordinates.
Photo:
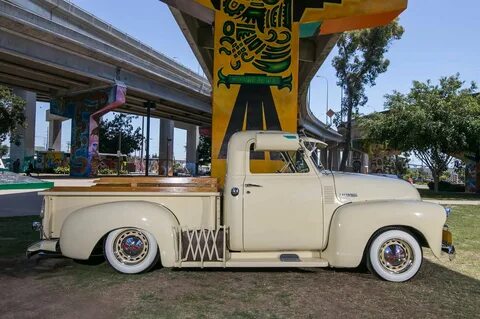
(256, 59)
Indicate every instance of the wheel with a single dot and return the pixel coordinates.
(131, 250)
(395, 255)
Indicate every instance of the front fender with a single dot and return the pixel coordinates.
(353, 225)
(82, 229)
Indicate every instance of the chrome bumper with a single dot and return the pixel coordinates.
(447, 243)
(450, 250)
(49, 248)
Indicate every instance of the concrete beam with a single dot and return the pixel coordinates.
(67, 21)
(155, 88)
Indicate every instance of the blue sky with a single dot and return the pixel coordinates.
(439, 40)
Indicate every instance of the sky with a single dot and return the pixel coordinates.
(439, 40)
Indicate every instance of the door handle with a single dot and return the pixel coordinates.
(253, 185)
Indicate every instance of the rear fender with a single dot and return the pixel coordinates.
(354, 224)
(82, 229)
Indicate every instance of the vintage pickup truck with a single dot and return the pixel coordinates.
(298, 215)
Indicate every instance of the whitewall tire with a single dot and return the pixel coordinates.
(395, 255)
(131, 250)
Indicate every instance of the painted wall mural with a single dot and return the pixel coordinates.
(85, 110)
(472, 173)
(256, 60)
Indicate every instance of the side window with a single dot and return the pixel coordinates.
(277, 162)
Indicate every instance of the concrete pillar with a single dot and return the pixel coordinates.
(324, 157)
(335, 154)
(54, 131)
(165, 156)
(193, 138)
(24, 150)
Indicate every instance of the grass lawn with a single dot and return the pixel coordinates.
(428, 194)
(16, 234)
(63, 288)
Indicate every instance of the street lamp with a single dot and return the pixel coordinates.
(326, 107)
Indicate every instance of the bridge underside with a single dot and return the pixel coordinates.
(55, 49)
(196, 23)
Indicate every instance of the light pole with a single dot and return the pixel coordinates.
(326, 107)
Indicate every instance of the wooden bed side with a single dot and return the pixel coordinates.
(148, 184)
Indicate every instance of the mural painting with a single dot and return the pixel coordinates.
(85, 110)
(472, 173)
(256, 61)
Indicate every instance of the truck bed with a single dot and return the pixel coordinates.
(195, 202)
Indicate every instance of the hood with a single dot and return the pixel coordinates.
(360, 187)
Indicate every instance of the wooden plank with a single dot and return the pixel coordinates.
(135, 189)
(157, 180)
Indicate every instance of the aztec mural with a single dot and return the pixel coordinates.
(256, 60)
(85, 110)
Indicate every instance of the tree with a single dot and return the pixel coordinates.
(204, 150)
(3, 150)
(11, 114)
(360, 60)
(434, 122)
(120, 127)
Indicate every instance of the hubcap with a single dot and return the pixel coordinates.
(131, 247)
(396, 256)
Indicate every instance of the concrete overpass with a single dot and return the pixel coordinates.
(53, 48)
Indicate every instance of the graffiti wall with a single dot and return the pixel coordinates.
(256, 60)
(48, 161)
(85, 110)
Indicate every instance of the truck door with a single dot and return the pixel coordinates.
(283, 209)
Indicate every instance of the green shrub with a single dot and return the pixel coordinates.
(444, 186)
(62, 170)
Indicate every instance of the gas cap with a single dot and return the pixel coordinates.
(235, 191)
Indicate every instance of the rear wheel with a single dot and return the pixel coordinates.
(131, 250)
(395, 255)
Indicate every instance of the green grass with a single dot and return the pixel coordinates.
(464, 223)
(428, 194)
(443, 289)
(16, 235)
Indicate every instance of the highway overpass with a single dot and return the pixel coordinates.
(53, 48)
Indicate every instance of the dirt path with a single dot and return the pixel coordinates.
(61, 288)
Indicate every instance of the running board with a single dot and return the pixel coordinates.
(275, 263)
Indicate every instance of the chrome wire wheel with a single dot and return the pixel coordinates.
(396, 256)
(131, 247)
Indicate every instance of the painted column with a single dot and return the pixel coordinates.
(24, 150)
(85, 110)
(256, 60)
(192, 145)
(165, 156)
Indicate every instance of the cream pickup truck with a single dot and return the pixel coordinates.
(298, 215)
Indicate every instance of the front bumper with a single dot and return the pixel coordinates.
(49, 248)
(447, 243)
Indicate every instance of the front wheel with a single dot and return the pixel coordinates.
(395, 255)
(131, 250)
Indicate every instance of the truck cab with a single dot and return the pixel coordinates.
(281, 208)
